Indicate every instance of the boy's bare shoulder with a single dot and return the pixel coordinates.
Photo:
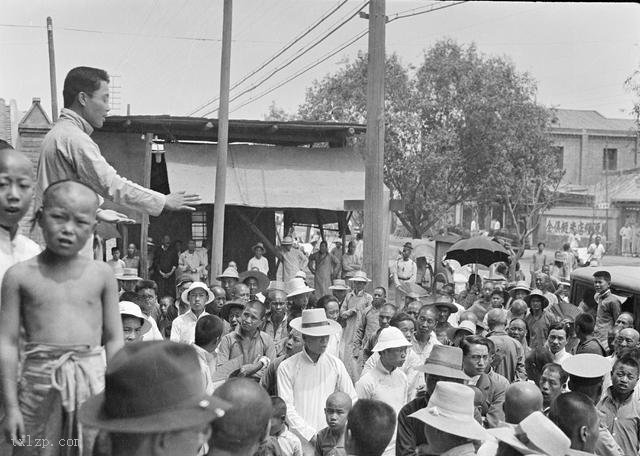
(20, 268)
(100, 267)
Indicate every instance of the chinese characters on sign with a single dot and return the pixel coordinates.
(581, 226)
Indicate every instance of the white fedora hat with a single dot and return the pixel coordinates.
(301, 275)
(128, 274)
(231, 273)
(450, 409)
(536, 434)
(314, 322)
(391, 337)
(338, 284)
(296, 286)
(131, 309)
(193, 286)
(359, 276)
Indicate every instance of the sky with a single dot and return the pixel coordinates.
(165, 54)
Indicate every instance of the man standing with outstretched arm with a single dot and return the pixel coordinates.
(68, 152)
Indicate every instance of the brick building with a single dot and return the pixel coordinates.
(10, 116)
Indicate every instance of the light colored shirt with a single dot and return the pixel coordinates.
(279, 334)
(14, 250)
(404, 271)
(596, 251)
(293, 261)
(561, 356)
(154, 333)
(289, 443)
(607, 312)
(424, 352)
(68, 152)
(388, 387)
(207, 366)
(333, 348)
(117, 266)
(261, 264)
(415, 379)
(350, 264)
(251, 349)
(189, 261)
(622, 419)
(183, 328)
(304, 386)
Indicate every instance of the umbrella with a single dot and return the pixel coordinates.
(413, 290)
(477, 250)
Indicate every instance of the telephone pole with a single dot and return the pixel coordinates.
(52, 70)
(376, 225)
(217, 238)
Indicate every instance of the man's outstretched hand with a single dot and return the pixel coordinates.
(111, 216)
(181, 201)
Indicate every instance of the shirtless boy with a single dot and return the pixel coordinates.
(68, 306)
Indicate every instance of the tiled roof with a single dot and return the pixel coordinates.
(576, 119)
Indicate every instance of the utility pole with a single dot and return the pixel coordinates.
(376, 222)
(217, 236)
(52, 70)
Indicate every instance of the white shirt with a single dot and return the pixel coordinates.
(154, 332)
(388, 387)
(426, 351)
(415, 379)
(561, 356)
(454, 318)
(14, 250)
(405, 271)
(333, 348)
(262, 264)
(183, 328)
(597, 251)
(304, 386)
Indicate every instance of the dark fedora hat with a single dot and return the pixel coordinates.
(224, 312)
(152, 387)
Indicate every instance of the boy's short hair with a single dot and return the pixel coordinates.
(384, 290)
(399, 318)
(144, 284)
(131, 296)
(603, 275)
(208, 329)
(82, 79)
(468, 341)
(558, 326)
(46, 194)
(371, 425)
(114, 249)
(555, 367)
(586, 323)
(256, 303)
(279, 407)
(542, 244)
(629, 357)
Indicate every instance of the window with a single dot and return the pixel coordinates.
(558, 152)
(199, 227)
(610, 159)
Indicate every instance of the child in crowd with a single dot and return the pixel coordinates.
(209, 329)
(134, 325)
(289, 444)
(330, 440)
(115, 262)
(47, 295)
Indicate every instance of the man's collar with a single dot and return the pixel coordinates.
(242, 336)
(193, 315)
(77, 119)
(304, 352)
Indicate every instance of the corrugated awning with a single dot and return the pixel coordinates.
(274, 177)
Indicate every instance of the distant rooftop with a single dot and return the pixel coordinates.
(576, 119)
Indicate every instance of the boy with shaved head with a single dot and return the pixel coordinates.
(330, 440)
(46, 295)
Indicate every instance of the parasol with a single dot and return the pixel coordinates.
(477, 250)
(413, 290)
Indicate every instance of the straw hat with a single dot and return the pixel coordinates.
(440, 300)
(339, 284)
(521, 285)
(296, 286)
(390, 337)
(258, 245)
(464, 325)
(540, 294)
(301, 275)
(359, 276)
(287, 240)
(128, 274)
(450, 409)
(131, 309)
(314, 322)
(276, 285)
(444, 361)
(263, 280)
(185, 294)
(535, 434)
(231, 273)
(138, 398)
(226, 309)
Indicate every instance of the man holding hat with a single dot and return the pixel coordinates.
(306, 379)
(183, 328)
(144, 413)
(450, 424)
(387, 382)
(405, 270)
(444, 364)
(538, 321)
(291, 260)
(258, 261)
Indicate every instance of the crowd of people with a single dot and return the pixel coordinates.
(96, 360)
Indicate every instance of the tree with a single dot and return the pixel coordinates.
(277, 113)
(448, 127)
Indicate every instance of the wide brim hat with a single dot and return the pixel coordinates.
(465, 325)
(587, 365)
(314, 322)
(301, 275)
(559, 257)
(444, 361)
(131, 309)
(339, 284)
(450, 409)
(138, 398)
(540, 294)
(258, 245)
(359, 276)
(276, 285)
(226, 309)
(195, 285)
(287, 240)
(297, 286)
(390, 337)
(263, 280)
(128, 274)
(408, 245)
(522, 285)
(536, 434)
(440, 300)
(230, 273)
